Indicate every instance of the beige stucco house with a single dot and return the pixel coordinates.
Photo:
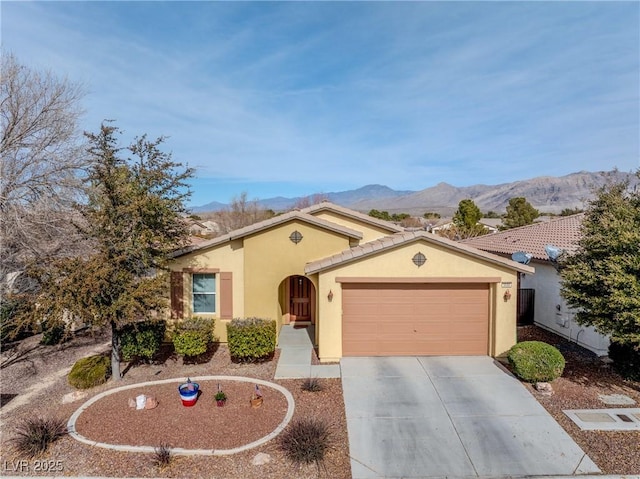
(368, 287)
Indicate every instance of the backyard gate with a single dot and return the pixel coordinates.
(526, 300)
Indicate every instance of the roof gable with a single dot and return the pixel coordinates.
(389, 242)
(268, 224)
(561, 232)
(352, 214)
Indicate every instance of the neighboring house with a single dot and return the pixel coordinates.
(490, 224)
(368, 287)
(440, 224)
(550, 309)
(203, 228)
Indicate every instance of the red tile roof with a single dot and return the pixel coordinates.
(561, 232)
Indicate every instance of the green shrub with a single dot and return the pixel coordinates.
(54, 334)
(535, 361)
(251, 339)
(193, 336)
(89, 372)
(306, 440)
(141, 340)
(626, 359)
(34, 435)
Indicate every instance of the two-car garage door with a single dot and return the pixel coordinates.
(395, 319)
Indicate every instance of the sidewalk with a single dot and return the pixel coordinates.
(295, 356)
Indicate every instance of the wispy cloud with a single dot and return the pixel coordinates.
(325, 96)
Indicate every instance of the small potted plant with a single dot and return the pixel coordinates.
(256, 397)
(221, 397)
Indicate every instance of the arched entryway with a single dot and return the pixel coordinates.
(300, 306)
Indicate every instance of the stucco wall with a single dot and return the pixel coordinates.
(226, 257)
(271, 257)
(546, 283)
(369, 232)
(441, 263)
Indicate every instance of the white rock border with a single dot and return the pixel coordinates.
(71, 424)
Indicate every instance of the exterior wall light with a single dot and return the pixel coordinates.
(330, 296)
(507, 296)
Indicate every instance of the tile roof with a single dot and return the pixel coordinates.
(392, 241)
(561, 232)
(269, 223)
(328, 206)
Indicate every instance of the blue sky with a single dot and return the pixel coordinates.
(288, 99)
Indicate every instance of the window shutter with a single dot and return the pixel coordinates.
(226, 295)
(177, 295)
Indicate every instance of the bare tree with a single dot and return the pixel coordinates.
(41, 155)
(307, 201)
(240, 213)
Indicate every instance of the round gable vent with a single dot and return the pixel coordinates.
(296, 237)
(419, 259)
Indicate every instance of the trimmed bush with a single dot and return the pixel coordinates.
(34, 435)
(89, 372)
(251, 339)
(306, 440)
(193, 336)
(535, 361)
(626, 359)
(141, 340)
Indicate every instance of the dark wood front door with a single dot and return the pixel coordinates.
(300, 298)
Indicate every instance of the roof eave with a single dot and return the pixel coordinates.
(267, 224)
(482, 255)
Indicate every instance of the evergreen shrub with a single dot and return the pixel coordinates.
(535, 361)
(193, 336)
(141, 340)
(251, 339)
(89, 372)
(626, 359)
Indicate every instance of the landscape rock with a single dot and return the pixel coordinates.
(544, 388)
(261, 459)
(151, 403)
(616, 399)
(74, 396)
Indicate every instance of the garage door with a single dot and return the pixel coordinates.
(415, 319)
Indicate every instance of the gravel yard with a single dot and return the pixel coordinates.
(77, 459)
(584, 378)
(36, 369)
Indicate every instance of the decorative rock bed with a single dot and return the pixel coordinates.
(107, 421)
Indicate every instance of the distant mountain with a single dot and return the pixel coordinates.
(546, 193)
(213, 206)
(344, 198)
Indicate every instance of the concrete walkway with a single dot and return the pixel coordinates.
(295, 345)
(427, 417)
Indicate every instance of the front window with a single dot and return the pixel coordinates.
(204, 293)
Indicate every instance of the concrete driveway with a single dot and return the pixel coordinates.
(418, 417)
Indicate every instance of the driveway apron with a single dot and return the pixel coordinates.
(419, 417)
